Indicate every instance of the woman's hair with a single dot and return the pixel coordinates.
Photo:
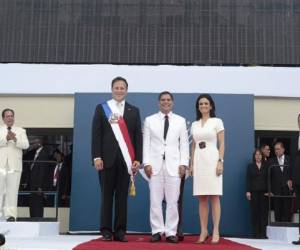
(212, 104)
(254, 153)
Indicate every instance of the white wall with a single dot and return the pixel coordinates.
(68, 79)
(36, 111)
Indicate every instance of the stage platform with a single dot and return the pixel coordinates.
(282, 233)
(68, 242)
(29, 229)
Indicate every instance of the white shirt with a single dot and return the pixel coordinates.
(120, 105)
(281, 161)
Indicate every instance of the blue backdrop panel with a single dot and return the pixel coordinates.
(236, 111)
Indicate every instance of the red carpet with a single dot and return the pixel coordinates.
(141, 242)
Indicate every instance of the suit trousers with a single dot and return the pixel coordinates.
(283, 206)
(297, 191)
(36, 205)
(259, 213)
(9, 186)
(163, 186)
(114, 182)
(180, 207)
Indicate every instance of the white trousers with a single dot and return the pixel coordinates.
(9, 186)
(163, 186)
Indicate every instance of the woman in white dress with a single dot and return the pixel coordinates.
(207, 164)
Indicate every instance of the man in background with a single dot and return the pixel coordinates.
(13, 140)
(280, 183)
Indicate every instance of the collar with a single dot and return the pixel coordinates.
(116, 102)
(162, 115)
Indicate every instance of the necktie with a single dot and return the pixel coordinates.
(166, 127)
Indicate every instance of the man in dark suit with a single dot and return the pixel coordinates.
(110, 156)
(60, 179)
(38, 170)
(295, 176)
(280, 184)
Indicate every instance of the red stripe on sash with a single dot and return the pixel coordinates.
(124, 131)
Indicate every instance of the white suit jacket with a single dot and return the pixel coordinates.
(10, 151)
(175, 147)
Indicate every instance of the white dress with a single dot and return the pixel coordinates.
(205, 181)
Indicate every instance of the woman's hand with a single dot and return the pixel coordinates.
(219, 169)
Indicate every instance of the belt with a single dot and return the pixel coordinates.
(202, 144)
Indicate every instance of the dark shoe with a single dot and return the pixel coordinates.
(121, 239)
(172, 239)
(296, 242)
(155, 237)
(106, 237)
(180, 237)
(11, 218)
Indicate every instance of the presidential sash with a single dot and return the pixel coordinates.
(121, 133)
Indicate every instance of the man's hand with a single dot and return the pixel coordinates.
(248, 195)
(148, 171)
(135, 167)
(290, 184)
(181, 171)
(98, 163)
(11, 136)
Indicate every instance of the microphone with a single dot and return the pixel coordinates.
(2, 239)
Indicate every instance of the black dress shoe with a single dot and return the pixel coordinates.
(296, 242)
(155, 237)
(180, 237)
(106, 237)
(172, 239)
(121, 239)
(11, 218)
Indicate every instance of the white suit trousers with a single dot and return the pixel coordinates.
(9, 186)
(163, 186)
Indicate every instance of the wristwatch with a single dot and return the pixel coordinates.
(221, 160)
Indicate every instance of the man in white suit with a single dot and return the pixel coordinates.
(12, 141)
(166, 157)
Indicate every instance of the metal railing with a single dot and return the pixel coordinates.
(271, 195)
(54, 193)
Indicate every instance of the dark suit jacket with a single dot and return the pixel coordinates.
(295, 174)
(257, 179)
(104, 143)
(62, 180)
(279, 178)
(38, 171)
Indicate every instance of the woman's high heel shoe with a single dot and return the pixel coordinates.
(215, 240)
(202, 241)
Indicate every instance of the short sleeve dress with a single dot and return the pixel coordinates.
(205, 180)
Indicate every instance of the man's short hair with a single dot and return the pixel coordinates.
(119, 78)
(279, 143)
(7, 110)
(165, 93)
